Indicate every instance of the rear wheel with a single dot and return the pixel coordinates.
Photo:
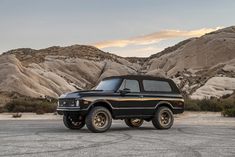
(163, 118)
(134, 122)
(99, 119)
(73, 122)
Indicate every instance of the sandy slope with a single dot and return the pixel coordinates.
(55, 75)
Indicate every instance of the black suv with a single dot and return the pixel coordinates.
(134, 98)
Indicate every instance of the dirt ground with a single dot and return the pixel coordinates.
(193, 134)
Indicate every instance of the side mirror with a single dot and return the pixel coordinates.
(124, 91)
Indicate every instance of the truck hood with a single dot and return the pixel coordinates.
(82, 93)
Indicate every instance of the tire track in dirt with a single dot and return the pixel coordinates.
(124, 137)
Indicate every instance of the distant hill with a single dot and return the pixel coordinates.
(195, 61)
(56, 70)
(197, 53)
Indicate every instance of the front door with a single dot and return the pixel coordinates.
(130, 103)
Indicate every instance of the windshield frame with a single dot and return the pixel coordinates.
(116, 87)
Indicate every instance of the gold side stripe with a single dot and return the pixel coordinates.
(143, 99)
(136, 99)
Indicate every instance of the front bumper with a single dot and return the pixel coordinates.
(64, 110)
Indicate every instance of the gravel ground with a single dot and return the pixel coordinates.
(193, 134)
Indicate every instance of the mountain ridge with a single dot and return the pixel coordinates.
(54, 70)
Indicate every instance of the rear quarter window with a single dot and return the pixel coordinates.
(156, 86)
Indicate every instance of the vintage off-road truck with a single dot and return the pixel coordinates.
(133, 98)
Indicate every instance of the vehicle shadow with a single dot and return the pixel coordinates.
(114, 129)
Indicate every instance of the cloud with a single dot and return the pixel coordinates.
(154, 37)
(141, 52)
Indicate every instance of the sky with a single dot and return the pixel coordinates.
(135, 28)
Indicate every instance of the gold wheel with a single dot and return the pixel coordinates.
(100, 120)
(73, 122)
(134, 122)
(165, 118)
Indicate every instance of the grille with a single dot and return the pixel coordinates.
(67, 103)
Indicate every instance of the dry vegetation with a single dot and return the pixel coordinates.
(39, 106)
(225, 106)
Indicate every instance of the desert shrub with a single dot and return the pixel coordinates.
(29, 109)
(228, 107)
(40, 111)
(17, 104)
(191, 105)
(47, 107)
(19, 108)
(225, 106)
(1, 109)
(228, 104)
(210, 105)
(31, 105)
(10, 106)
(213, 105)
(17, 115)
(229, 112)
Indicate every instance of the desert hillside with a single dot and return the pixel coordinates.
(55, 70)
(202, 67)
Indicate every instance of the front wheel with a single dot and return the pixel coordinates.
(163, 118)
(134, 122)
(99, 119)
(73, 123)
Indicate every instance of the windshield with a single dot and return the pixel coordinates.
(110, 84)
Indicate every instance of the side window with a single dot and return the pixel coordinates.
(156, 86)
(133, 85)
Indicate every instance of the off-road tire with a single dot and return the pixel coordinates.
(163, 118)
(132, 124)
(71, 124)
(98, 119)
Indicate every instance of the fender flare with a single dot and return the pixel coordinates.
(164, 102)
(100, 101)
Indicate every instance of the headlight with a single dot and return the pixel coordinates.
(77, 103)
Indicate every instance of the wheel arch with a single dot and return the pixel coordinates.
(165, 104)
(103, 103)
